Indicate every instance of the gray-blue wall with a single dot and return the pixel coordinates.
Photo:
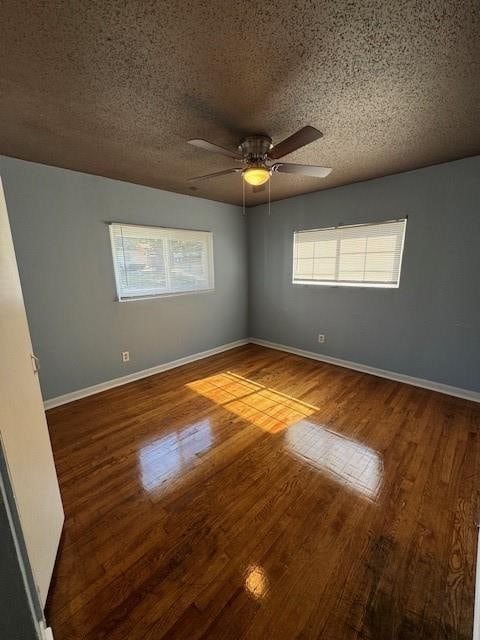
(429, 327)
(63, 251)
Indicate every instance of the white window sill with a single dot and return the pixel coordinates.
(360, 285)
(165, 295)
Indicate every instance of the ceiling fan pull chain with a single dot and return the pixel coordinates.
(269, 196)
(243, 192)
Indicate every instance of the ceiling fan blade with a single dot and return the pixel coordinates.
(302, 137)
(301, 169)
(209, 146)
(216, 175)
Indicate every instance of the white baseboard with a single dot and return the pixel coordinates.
(382, 373)
(46, 633)
(476, 609)
(116, 382)
(466, 394)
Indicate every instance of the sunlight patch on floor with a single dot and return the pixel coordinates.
(349, 462)
(265, 408)
(353, 464)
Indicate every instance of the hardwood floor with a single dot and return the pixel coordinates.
(261, 495)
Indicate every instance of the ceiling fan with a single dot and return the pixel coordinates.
(256, 153)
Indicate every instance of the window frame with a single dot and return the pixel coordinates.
(168, 294)
(355, 285)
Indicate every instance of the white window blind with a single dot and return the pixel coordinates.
(365, 255)
(153, 261)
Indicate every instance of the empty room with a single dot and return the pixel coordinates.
(240, 320)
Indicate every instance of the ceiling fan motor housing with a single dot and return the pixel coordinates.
(254, 149)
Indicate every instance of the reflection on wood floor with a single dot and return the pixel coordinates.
(261, 495)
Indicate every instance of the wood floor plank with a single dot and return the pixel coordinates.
(257, 494)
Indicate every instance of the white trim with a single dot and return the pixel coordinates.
(165, 295)
(144, 373)
(349, 226)
(46, 632)
(466, 394)
(338, 283)
(476, 606)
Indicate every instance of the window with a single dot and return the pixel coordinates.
(152, 261)
(362, 255)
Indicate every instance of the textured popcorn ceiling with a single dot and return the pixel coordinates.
(116, 88)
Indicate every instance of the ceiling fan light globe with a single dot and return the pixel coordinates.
(256, 175)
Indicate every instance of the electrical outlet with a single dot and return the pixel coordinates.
(125, 356)
(321, 338)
